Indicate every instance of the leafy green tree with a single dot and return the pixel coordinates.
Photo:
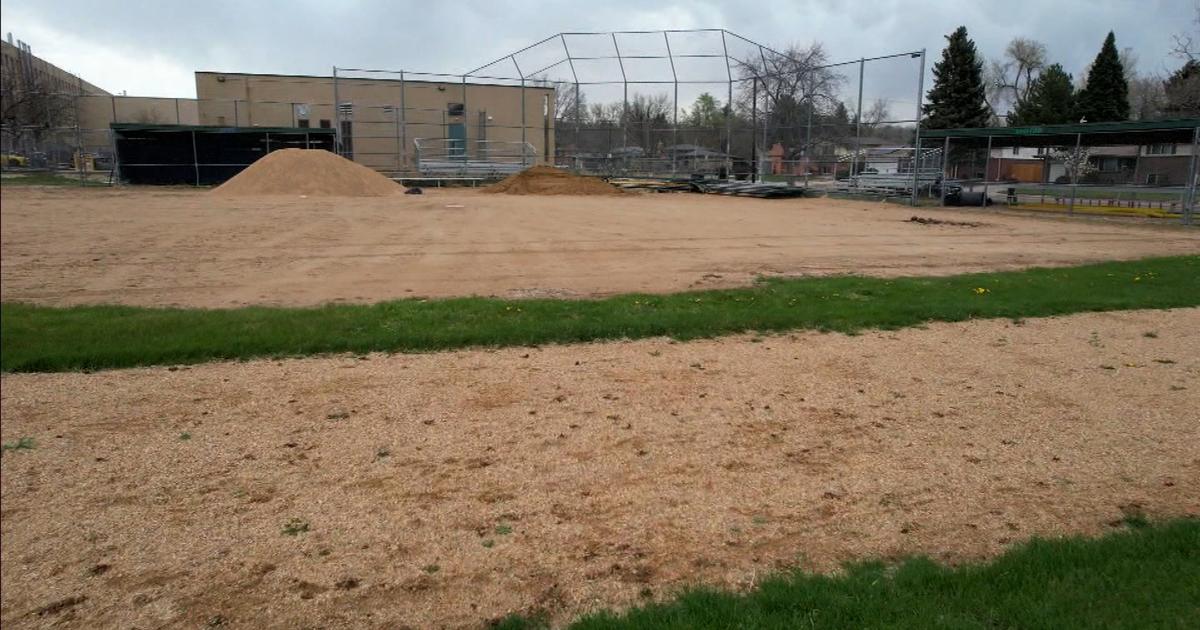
(958, 98)
(705, 113)
(1050, 100)
(1105, 97)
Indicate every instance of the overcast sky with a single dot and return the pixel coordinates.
(153, 47)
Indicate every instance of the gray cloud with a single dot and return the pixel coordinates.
(149, 47)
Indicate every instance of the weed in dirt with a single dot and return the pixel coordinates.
(46, 339)
(759, 520)
(503, 529)
(21, 444)
(656, 353)
(185, 436)
(1150, 334)
(489, 543)
(382, 452)
(295, 527)
(431, 568)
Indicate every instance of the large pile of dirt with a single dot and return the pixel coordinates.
(311, 172)
(547, 180)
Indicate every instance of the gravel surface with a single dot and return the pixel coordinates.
(445, 490)
(192, 248)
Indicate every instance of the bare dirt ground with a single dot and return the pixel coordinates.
(445, 490)
(193, 248)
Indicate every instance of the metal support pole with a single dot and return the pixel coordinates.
(524, 124)
(728, 109)
(625, 95)
(571, 62)
(466, 127)
(945, 164)
(337, 116)
(115, 177)
(114, 107)
(177, 118)
(195, 158)
(862, 65)
(1075, 175)
(754, 131)
(917, 140)
(268, 142)
(986, 161)
(1189, 207)
(808, 134)
(79, 134)
(403, 124)
(399, 146)
(675, 117)
(306, 143)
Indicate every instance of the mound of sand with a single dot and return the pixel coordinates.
(312, 172)
(547, 180)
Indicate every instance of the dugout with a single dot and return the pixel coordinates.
(202, 155)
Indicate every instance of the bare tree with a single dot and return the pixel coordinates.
(1186, 47)
(1147, 97)
(569, 103)
(1009, 79)
(878, 113)
(646, 113)
(790, 87)
(30, 109)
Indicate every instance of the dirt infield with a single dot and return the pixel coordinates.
(188, 247)
(449, 489)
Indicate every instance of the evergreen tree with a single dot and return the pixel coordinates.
(958, 96)
(1051, 100)
(1183, 91)
(1106, 96)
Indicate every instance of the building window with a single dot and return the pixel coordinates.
(455, 109)
(1160, 149)
(325, 124)
(302, 123)
(1016, 150)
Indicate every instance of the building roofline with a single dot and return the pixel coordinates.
(1071, 128)
(528, 86)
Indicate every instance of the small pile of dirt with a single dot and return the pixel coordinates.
(932, 221)
(311, 172)
(547, 180)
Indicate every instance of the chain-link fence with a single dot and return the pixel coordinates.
(1140, 169)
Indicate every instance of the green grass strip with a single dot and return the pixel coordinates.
(1147, 577)
(48, 339)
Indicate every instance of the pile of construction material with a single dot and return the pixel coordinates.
(307, 172)
(547, 180)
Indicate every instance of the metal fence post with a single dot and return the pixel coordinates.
(729, 110)
(675, 117)
(862, 66)
(403, 122)
(987, 159)
(945, 166)
(1190, 205)
(195, 159)
(917, 141)
(1075, 175)
(337, 115)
